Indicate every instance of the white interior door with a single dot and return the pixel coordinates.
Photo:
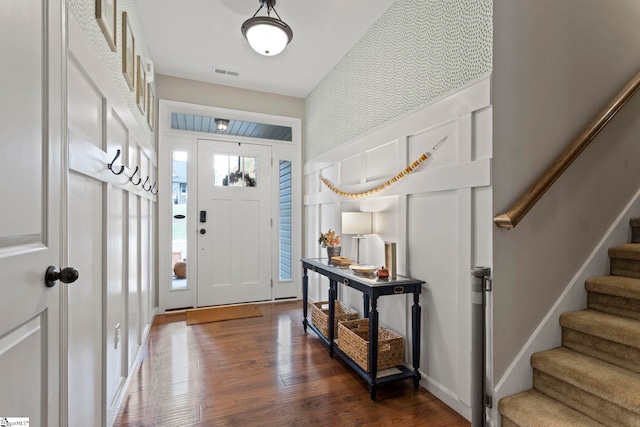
(234, 228)
(31, 133)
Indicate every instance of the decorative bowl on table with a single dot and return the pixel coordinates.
(363, 269)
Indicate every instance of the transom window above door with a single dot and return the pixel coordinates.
(196, 123)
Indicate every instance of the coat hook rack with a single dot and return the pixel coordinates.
(110, 165)
(146, 186)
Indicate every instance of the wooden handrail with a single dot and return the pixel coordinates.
(512, 217)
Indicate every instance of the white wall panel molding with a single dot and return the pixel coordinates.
(87, 159)
(440, 225)
(82, 12)
(465, 175)
(82, 54)
(111, 229)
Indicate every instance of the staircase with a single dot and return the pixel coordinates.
(594, 378)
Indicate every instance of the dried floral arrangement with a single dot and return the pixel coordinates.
(329, 239)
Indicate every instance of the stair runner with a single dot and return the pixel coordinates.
(594, 378)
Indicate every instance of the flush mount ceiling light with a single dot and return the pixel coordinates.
(268, 36)
(222, 124)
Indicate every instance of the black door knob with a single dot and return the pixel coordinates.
(203, 231)
(66, 275)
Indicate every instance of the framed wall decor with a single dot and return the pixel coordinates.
(128, 52)
(141, 85)
(106, 16)
(151, 109)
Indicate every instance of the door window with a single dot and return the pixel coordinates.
(235, 171)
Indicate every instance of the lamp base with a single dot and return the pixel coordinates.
(358, 238)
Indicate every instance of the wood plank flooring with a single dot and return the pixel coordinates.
(262, 371)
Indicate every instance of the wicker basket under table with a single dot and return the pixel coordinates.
(353, 340)
(320, 317)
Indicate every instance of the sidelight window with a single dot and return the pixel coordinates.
(179, 220)
(284, 203)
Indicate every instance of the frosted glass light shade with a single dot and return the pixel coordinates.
(267, 36)
(357, 223)
(222, 124)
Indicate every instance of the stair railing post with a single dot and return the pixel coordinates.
(480, 284)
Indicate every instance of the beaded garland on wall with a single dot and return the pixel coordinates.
(410, 168)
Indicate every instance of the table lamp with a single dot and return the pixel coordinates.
(358, 223)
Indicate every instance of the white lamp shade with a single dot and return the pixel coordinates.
(266, 39)
(357, 223)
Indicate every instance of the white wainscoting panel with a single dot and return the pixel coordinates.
(115, 322)
(110, 237)
(381, 162)
(439, 216)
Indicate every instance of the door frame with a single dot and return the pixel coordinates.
(171, 139)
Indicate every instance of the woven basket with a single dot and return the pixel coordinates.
(354, 341)
(320, 317)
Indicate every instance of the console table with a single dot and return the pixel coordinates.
(371, 288)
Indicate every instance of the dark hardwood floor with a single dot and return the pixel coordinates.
(262, 371)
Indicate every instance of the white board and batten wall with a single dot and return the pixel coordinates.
(111, 238)
(440, 216)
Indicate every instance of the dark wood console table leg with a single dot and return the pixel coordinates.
(416, 312)
(305, 295)
(373, 347)
(333, 286)
(365, 305)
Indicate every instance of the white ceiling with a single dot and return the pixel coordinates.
(189, 38)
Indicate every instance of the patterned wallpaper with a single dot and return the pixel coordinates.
(84, 12)
(418, 51)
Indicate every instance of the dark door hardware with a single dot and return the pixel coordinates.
(66, 275)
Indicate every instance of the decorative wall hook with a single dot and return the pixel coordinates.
(145, 183)
(110, 165)
(154, 188)
(134, 174)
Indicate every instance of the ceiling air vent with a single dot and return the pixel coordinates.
(217, 70)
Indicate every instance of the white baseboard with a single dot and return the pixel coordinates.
(447, 396)
(122, 392)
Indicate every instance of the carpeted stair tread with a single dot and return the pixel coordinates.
(625, 287)
(629, 251)
(625, 260)
(532, 408)
(595, 376)
(603, 380)
(603, 325)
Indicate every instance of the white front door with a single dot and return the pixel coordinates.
(234, 228)
(31, 126)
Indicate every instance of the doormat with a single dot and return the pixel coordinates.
(217, 314)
